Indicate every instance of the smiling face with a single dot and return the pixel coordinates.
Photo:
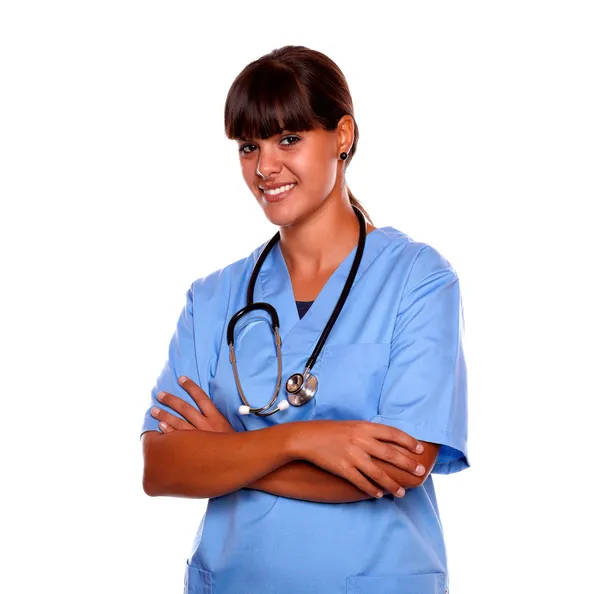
(309, 160)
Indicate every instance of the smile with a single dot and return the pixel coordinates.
(278, 194)
(279, 190)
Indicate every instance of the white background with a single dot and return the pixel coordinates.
(479, 134)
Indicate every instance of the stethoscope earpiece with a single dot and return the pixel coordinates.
(300, 387)
(246, 410)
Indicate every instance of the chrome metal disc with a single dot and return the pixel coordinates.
(300, 390)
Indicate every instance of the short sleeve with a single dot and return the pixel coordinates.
(181, 361)
(425, 389)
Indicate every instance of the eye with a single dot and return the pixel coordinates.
(293, 140)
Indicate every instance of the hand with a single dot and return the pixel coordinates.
(207, 418)
(346, 448)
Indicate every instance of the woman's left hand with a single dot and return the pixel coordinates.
(205, 418)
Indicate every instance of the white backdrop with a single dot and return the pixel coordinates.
(479, 134)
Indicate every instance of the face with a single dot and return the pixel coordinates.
(308, 160)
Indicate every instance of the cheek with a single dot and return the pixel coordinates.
(317, 174)
(249, 174)
(247, 170)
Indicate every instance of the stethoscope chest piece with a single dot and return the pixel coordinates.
(300, 388)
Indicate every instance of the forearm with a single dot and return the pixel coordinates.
(206, 464)
(302, 480)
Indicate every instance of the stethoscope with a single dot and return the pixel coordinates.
(300, 387)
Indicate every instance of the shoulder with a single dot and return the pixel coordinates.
(418, 259)
(221, 282)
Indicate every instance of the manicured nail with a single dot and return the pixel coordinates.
(420, 469)
(154, 410)
(420, 448)
(401, 492)
(160, 395)
(182, 379)
(162, 425)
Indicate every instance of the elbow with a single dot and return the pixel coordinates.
(417, 481)
(149, 480)
(149, 477)
(412, 481)
(149, 485)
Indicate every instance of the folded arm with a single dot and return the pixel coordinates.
(200, 455)
(303, 480)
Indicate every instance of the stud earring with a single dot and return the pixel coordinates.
(343, 156)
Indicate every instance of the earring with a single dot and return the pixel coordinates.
(343, 156)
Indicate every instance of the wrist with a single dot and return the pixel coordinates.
(293, 439)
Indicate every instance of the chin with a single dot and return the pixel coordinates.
(280, 214)
(281, 218)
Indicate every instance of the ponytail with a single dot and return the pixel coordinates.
(355, 202)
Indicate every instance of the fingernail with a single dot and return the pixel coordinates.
(162, 425)
(154, 410)
(401, 492)
(182, 379)
(379, 494)
(420, 469)
(420, 448)
(160, 395)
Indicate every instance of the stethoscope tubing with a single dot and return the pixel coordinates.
(300, 396)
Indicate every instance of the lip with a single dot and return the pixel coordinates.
(277, 197)
(274, 186)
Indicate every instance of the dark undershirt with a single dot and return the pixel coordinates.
(303, 307)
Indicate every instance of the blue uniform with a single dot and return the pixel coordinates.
(394, 356)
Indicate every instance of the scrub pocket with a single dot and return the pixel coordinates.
(351, 380)
(197, 581)
(426, 583)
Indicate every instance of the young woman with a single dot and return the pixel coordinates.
(312, 387)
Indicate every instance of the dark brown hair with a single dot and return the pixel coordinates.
(290, 88)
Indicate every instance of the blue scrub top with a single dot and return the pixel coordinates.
(394, 356)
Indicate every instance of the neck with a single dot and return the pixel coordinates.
(319, 244)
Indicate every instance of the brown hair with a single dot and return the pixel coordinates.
(291, 88)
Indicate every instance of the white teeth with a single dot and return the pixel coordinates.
(279, 190)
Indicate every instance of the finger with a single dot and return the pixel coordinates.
(200, 397)
(175, 422)
(185, 409)
(388, 453)
(379, 476)
(165, 427)
(387, 433)
(360, 481)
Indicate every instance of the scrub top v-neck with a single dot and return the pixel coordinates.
(303, 307)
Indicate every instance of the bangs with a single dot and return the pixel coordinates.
(264, 100)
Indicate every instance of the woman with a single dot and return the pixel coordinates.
(332, 494)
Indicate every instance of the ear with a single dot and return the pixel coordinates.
(345, 134)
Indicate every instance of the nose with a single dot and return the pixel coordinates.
(268, 162)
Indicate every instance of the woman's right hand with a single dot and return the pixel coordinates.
(346, 448)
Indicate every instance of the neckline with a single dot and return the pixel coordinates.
(345, 263)
(275, 287)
